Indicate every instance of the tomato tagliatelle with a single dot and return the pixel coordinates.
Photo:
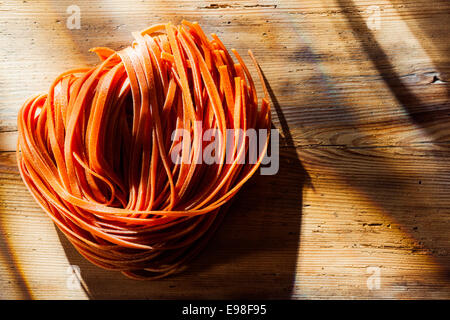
(96, 150)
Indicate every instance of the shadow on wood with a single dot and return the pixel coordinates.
(8, 255)
(380, 174)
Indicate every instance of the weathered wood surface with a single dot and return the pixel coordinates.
(365, 171)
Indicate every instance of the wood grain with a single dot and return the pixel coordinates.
(363, 111)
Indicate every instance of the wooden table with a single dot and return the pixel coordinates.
(360, 207)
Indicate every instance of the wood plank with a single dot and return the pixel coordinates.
(345, 222)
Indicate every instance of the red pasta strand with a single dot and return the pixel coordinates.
(96, 150)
